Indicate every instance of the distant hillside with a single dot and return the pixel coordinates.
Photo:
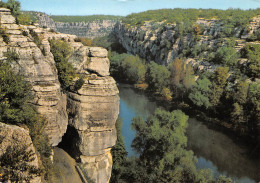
(90, 18)
(236, 17)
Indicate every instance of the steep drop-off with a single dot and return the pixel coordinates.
(162, 43)
(90, 112)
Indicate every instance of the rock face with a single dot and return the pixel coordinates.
(39, 69)
(89, 30)
(161, 43)
(16, 137)
(93, 111)
(87, 117)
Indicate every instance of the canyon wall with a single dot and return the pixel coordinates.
(162, 43)
(88, 115)
(91, 30)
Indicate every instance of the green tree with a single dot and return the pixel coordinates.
(119, 155)
(61, 51)
(162, 144)
(226, 55)
(253, 55)
(14, 6)
(201, 92)
(134, 69)
(157, 77)
(218, 85)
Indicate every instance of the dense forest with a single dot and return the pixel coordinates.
(87, 18)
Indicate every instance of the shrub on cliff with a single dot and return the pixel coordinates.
(16, 107)
(61, 51)
(14, 6)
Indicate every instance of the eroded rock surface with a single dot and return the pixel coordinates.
(91, 111)
(15, 137)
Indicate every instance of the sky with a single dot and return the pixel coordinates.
(126, 7)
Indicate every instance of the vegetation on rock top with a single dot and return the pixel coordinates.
(88, 18)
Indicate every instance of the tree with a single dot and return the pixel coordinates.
(14, 6)
(227, 56)
(157, 77)
(162, 144)
(241, 91)
(119, 155)
(61, 51)
(219, 82)
(134, 69)
(201, 92)
(253, 55)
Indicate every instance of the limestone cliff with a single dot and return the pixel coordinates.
(162, 44)
(86, 116)
(17, 138)
(91, 29)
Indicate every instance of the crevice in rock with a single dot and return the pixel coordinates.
(69, 142)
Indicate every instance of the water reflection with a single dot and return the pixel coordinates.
(213, 149)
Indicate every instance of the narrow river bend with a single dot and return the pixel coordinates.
(213, 149)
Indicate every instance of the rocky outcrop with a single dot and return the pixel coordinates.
(14, 137)
(93, 111)
(39, 69)
(90, 29)
(93, 29)
(161, 43)
(87, 115)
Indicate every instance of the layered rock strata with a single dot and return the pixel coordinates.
(90, 29)
(162, 44)
(93, 111)
(88, 115)
(14, 137)
(39, 69)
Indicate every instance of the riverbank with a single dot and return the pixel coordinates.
(213, 148)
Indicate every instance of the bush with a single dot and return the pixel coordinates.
(24, 19)
(79, 83)
(61, 51)
(4, 35)
(11, 56)
(15, 164)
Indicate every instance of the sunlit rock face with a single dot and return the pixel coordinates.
(93, 111)
(162, 44)
(85, 119)
(39, 69)
(98, 28)
(15, 137)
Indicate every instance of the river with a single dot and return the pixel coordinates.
(213, 149)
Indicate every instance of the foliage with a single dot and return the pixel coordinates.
(134, 69)
(61, 51)
(11, 55)
(201, 92)
(15, 107)
(230, 17)
(84, 41)
(79, 83)
(24, 19)
(14, 6)
(157, 77)
(119, 155)
(90, 18)
(252, 52)
(15, 164)
(226, 55)
(218, 85)
(4, 35)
